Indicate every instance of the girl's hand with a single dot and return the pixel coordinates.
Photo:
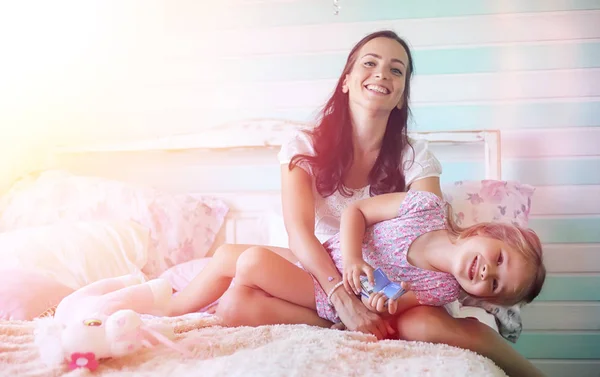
(353, 268)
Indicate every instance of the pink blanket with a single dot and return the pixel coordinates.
(264, 351)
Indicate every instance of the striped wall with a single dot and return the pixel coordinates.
(529, 68)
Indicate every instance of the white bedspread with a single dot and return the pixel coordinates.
(264, 351)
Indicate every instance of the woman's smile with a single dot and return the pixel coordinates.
(377, 89)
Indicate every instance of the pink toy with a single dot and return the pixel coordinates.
(102, 320)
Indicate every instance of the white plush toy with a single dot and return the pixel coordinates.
(102, 320)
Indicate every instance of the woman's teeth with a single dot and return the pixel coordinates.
(378, 89)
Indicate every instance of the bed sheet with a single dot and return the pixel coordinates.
(281, 350)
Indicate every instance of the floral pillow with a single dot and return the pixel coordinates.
(489, 200)
(492, 200)
(181, 227)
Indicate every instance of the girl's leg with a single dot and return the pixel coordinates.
(435, 325)
(147, 298)
(109, 285)
(270, 290)
(98, 288)
(213, 281)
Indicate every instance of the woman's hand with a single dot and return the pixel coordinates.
(353, 268)
(356, 317)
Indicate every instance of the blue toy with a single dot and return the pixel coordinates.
(382, 284)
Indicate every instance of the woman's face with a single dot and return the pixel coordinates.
(378, 76)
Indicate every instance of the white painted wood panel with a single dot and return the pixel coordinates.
(572, 368)
(572, 258)
(177, 70)
(120, 123)
(561, 315)
(574, 141)
(432, 32)
(505, 86)
(566, 200)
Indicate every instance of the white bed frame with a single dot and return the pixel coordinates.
(238, 164)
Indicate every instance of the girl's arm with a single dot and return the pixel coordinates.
(364, 213)
(355, 219)
(299, 217)
(431, 184)
(360, 215)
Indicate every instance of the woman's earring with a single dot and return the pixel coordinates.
(344, 89)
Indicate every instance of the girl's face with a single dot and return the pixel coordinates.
(489, 268)
(377, 79)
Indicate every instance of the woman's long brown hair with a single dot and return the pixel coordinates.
(332, 137)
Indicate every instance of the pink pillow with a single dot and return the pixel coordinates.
(180, 275)
(25, 294)
(489, 200)
(181, 227)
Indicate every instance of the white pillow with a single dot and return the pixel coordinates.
(181, 227)
(77, 254)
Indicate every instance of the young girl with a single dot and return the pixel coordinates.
(409, 237)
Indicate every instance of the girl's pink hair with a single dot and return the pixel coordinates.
(520, 239)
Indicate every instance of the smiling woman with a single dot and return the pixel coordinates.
(365, 122)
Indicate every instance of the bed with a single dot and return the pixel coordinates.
(233, 173)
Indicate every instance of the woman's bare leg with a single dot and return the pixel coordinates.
(245, 306)
(214, 279)
(284, 288)
(260, 268)
(435, 325)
